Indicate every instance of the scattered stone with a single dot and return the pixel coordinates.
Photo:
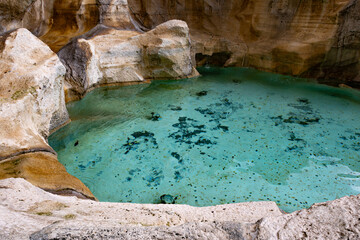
(168, 199)
(155, 117)
(176, 108)
(202, 93)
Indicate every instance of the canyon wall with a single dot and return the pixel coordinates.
(303, 38)
(313, 38)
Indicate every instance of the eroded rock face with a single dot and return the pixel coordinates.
(32, 104)
(115, 56)
(290, 37)
(31, 14)
(57, 21)
(338, 219)
(304, 38)
(31, 90)
(27, 211)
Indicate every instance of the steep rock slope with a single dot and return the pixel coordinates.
(293, 37)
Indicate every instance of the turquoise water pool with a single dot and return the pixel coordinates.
(232, 135)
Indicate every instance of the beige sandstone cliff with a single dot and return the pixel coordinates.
(319, 39)
(32, 96)
(304, 38)
(117, 56)
(32, 104)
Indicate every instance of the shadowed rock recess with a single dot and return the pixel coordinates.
(104, 42)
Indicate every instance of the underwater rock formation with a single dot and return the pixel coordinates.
(116, 56)
(31, 105)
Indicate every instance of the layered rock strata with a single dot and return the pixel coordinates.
(26, 211)
(31, 105)
(116, 56)
(317, 39)
(303, 38)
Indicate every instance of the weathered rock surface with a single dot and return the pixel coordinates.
(116, 56)
(56, 22)
(338, 219)
(31, 91)
(31, 105)
(306, 38)
(68, 19)
(26, 210)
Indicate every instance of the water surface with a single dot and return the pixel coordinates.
(232, 135)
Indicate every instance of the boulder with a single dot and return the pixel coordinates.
(32, 104)
(31, 90)
(116, 56)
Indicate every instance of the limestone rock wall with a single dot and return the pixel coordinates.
(343, 59)
(286, 36)
(117, 56)
(32, 104)
(303, 38)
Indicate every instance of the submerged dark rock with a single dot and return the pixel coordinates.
(155, 117)
(168, 199)
(202, 93)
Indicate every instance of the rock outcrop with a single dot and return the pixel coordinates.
(318, 39)
(336, 219)
(303, 38)
(31, 105)
(116, 56)
(26, 210)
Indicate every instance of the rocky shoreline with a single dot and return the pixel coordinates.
(109, 42)
(27, 211)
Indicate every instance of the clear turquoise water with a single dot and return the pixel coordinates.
(232, 135)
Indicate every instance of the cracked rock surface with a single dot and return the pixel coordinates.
(27, 211)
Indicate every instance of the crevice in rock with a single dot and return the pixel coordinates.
(216, 59)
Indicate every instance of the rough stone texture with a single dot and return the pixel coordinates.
(115, 56)
(115, 13)
(343, 59)
(338, 219)
(31, 92)
(110, 230)
(69, 19)
(32, 104)
(57, 21)
(25, 209)
(305, 38)
(45, 171)
(31, 14)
